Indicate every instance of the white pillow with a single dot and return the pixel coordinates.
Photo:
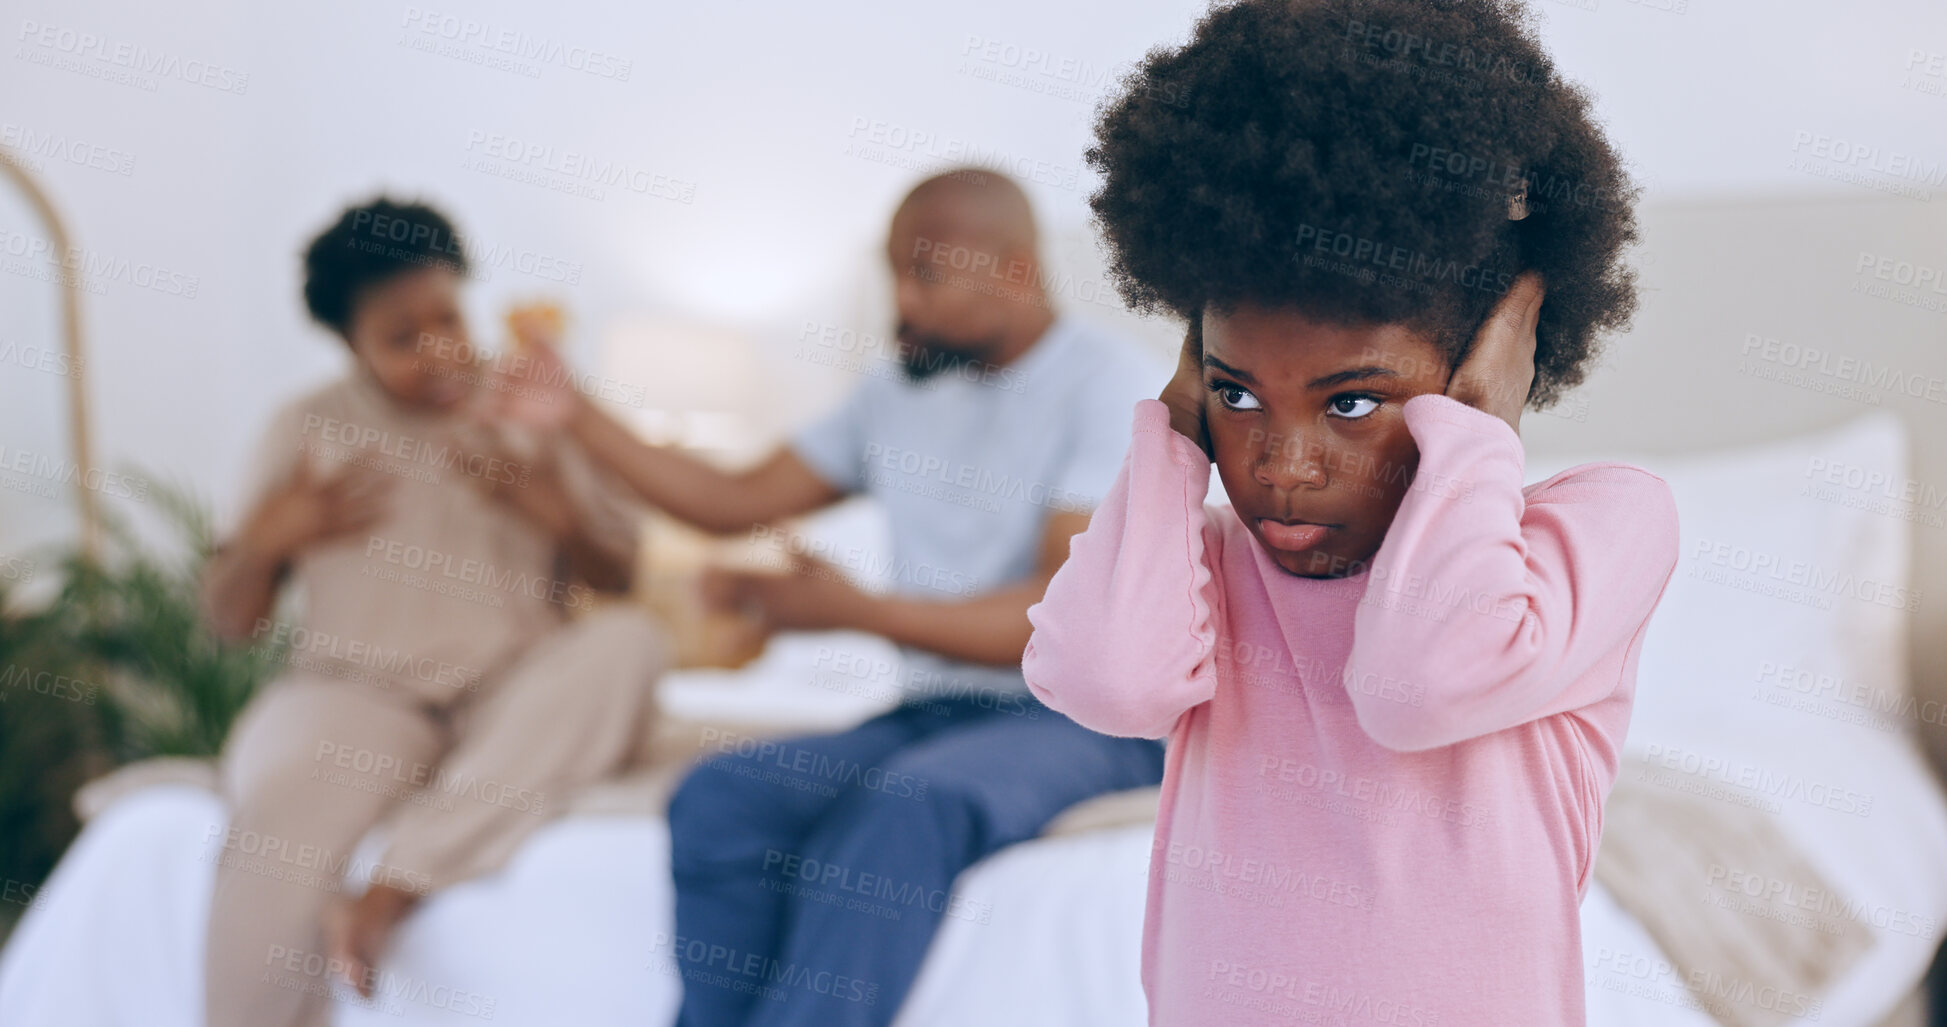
(1774, 674)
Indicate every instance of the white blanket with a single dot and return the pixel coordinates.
(567, 935)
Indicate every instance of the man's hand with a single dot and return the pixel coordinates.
(1500, 368)
(1184, 394)
(310, 509)
(813, 596)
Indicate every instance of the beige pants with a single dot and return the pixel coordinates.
(314, 763)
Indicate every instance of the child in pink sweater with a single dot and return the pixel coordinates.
(1393, 679)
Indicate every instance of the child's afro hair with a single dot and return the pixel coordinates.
(368, 244)
(1355, 160)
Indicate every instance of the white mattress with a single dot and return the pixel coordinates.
(567, 935)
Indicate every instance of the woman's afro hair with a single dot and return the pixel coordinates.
(368, 244)
(1355, 160)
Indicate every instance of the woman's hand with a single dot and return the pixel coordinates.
(533, 387)
(310, 509)
(529, 481)
(1500, 368)
(1184, 394)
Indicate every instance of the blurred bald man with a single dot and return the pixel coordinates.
(812, 872)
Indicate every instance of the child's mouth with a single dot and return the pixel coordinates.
(1291, 538)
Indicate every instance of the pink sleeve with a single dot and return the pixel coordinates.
(1498, 607)
(1124, 638)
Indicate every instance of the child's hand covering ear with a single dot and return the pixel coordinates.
(1500, 366)
(1184, 394)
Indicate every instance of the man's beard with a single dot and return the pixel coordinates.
(923, 356)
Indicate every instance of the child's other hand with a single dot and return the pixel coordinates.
(1184, 394)
(312, 509)
(1500, 368)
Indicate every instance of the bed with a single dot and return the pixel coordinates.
(1785, 686)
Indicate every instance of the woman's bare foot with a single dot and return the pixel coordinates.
(356, 931)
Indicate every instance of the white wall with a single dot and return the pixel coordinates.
(756, 104)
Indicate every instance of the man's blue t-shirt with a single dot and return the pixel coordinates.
(971, 463)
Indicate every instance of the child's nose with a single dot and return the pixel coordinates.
(1290, 461)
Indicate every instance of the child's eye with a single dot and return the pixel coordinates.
(1348, 405)
(1235, 397)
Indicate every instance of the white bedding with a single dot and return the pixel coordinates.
(566, 934)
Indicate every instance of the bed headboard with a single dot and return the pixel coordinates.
(1749, 309)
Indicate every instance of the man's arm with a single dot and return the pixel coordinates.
(690, 490)
(991, 628)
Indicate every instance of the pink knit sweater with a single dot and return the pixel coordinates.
(1383, 793)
